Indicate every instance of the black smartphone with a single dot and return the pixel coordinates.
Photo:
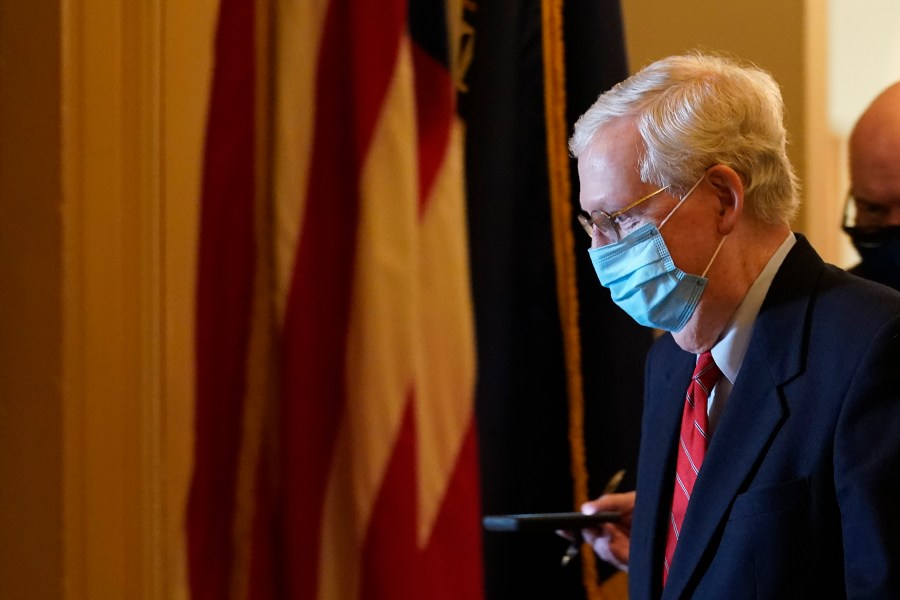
(566, 521)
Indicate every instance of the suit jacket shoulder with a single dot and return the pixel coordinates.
(799, 482)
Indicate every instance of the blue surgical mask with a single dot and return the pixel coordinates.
(644, 281)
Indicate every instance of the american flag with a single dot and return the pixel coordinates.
(335, 444)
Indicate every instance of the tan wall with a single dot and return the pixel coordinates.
(769, 33)
(102, 110)
(135, 82)
(787, 39)
(31, 494)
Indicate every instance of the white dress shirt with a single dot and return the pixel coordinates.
(729, 351)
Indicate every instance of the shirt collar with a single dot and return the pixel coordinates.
(729, 351)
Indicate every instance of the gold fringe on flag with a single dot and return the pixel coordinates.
(561, 216)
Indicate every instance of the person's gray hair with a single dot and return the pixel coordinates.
(696, 111)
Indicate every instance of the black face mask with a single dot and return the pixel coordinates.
(879, 250)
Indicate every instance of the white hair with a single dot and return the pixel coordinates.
(696, 111)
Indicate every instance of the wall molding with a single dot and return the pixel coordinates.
(113, 285)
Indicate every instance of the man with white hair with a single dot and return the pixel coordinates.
(770, 449)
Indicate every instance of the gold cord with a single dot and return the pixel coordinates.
(566, 288)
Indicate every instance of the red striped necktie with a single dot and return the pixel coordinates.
(691, 447)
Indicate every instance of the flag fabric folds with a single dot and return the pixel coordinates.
(336, 452)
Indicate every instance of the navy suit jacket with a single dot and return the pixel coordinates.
(799, 493)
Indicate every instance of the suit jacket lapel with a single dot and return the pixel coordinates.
(753, 414)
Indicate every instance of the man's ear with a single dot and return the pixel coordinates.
(729, 191)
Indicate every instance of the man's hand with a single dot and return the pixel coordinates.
(611, 541)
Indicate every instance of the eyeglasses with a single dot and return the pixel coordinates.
(606, 222)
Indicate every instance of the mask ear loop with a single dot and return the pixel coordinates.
(680, 202)
(715, 254)
(677, 206)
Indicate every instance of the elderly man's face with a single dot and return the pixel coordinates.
(610, 180)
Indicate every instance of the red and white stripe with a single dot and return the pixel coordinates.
(692, 445)
(352, 469)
